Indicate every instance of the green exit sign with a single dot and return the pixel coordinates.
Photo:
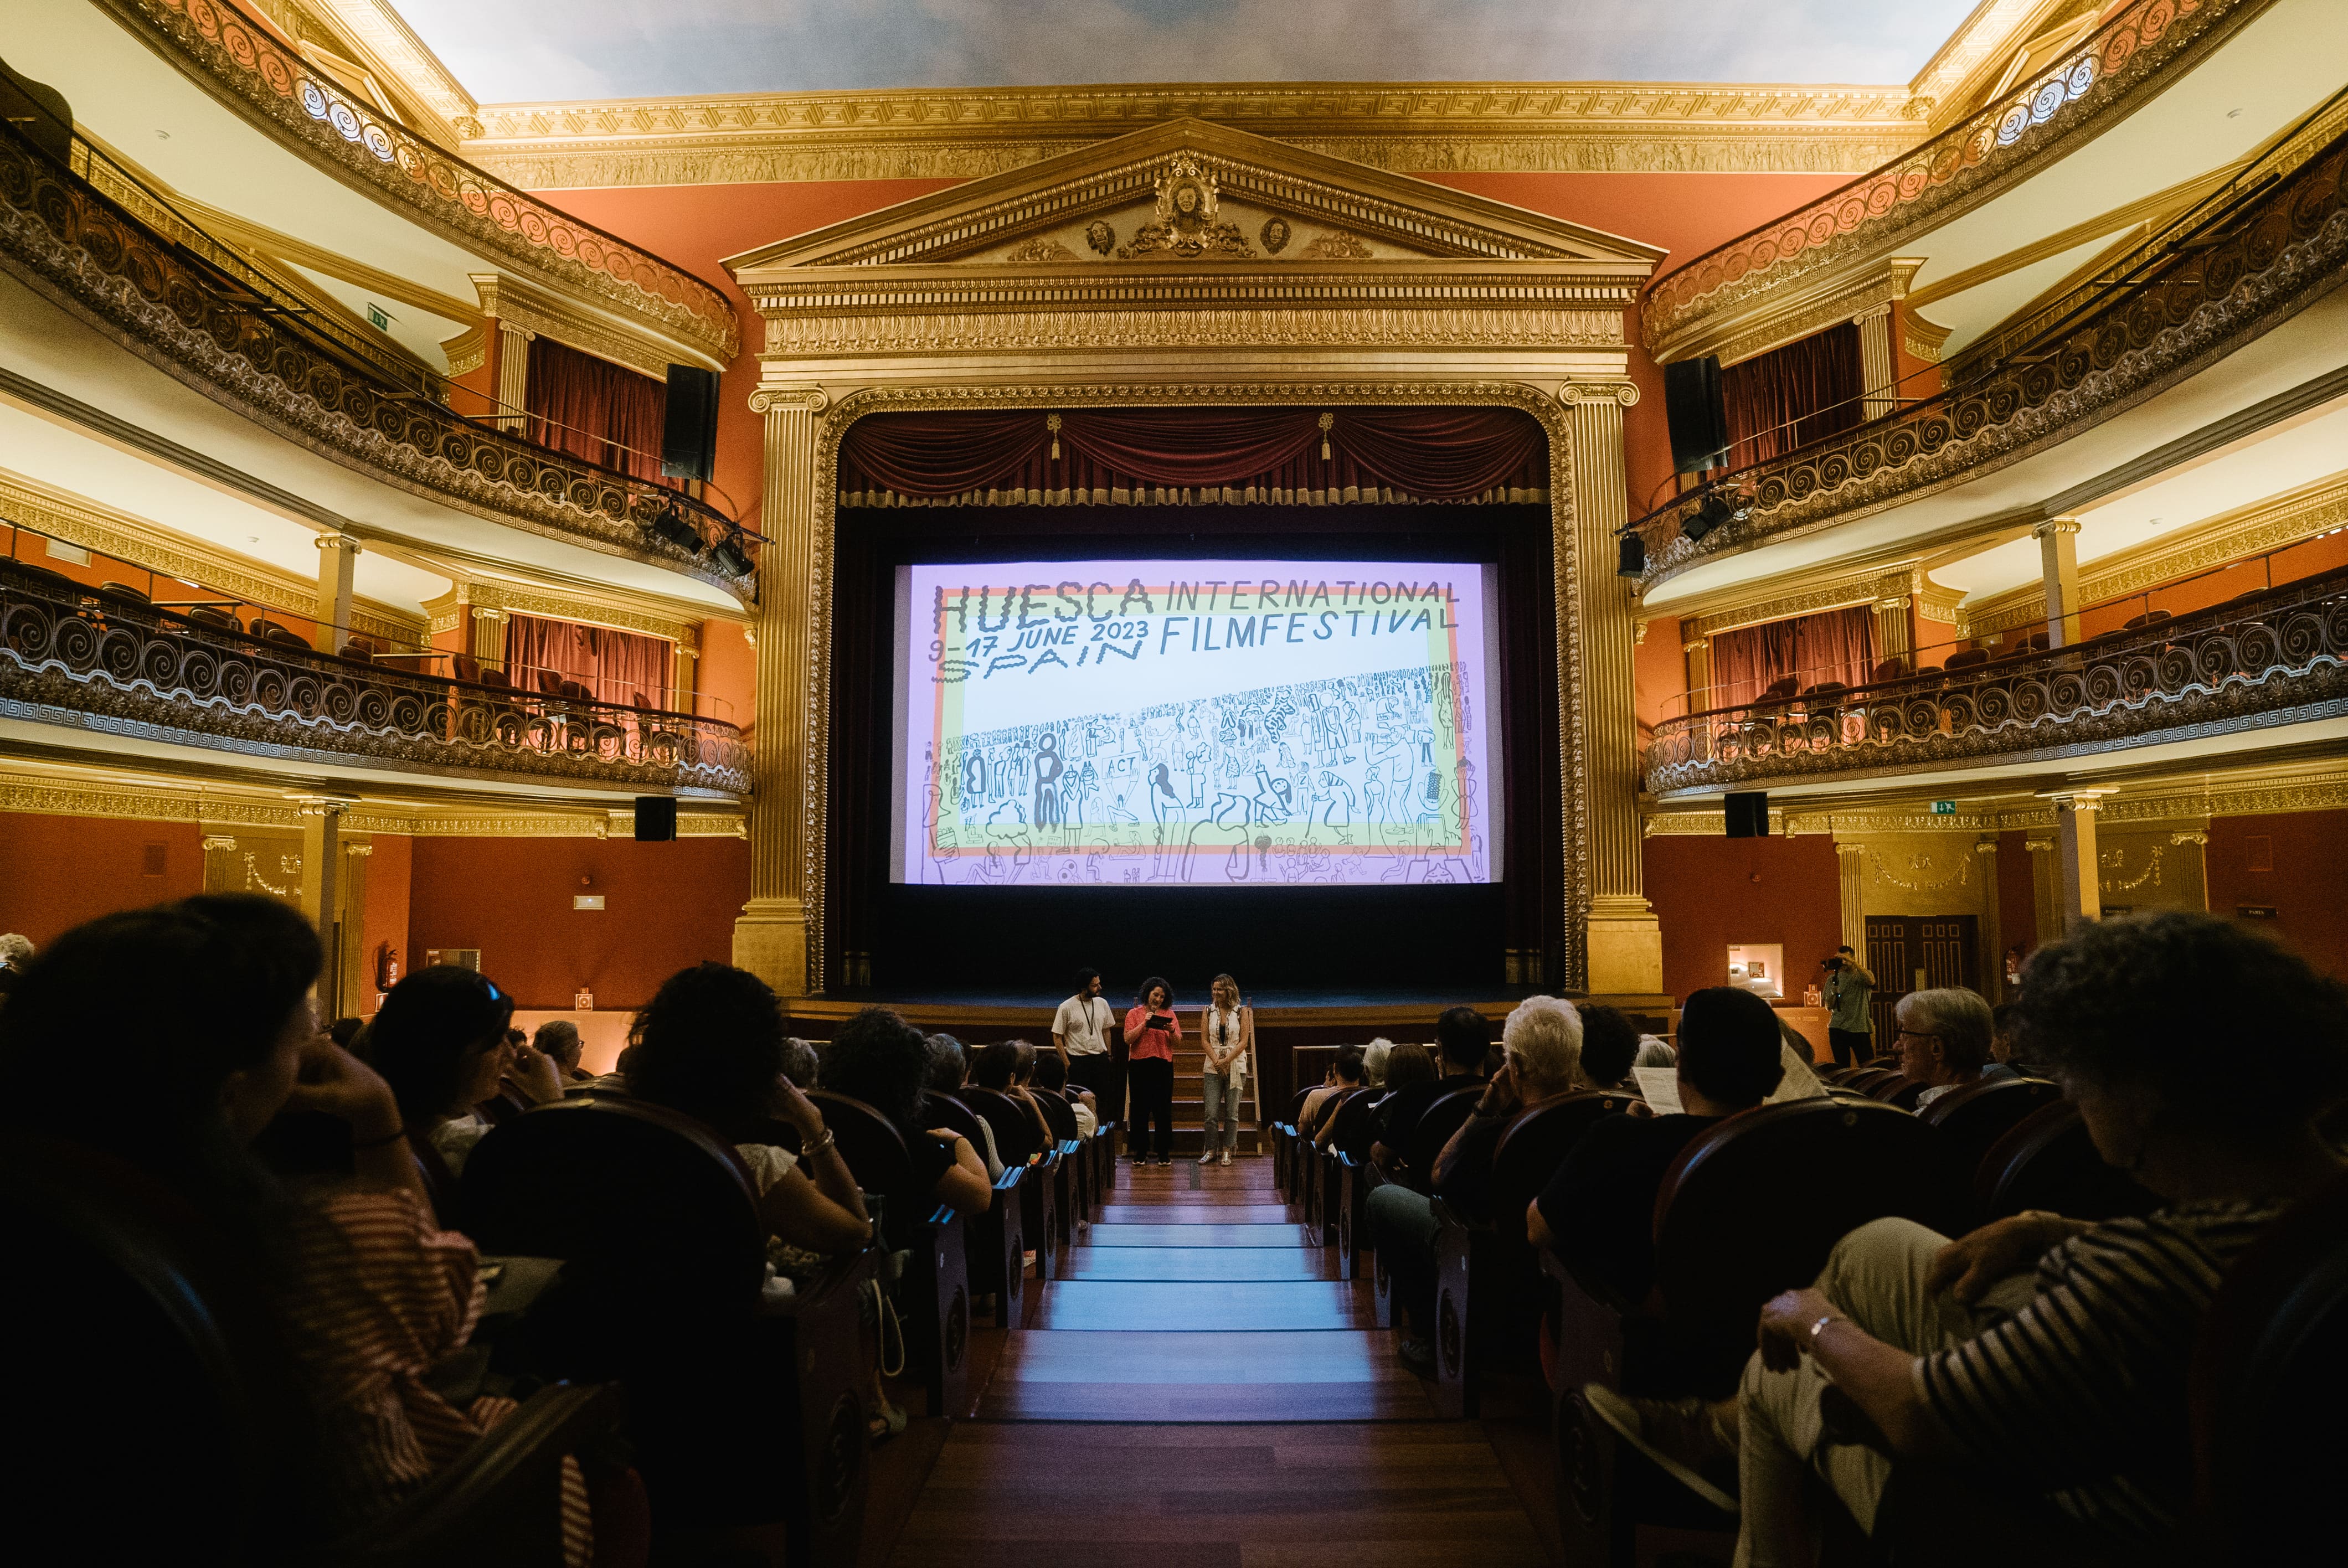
(1944, 808)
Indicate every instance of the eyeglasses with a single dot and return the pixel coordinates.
(1914, 1034)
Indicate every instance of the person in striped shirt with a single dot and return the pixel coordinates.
(2049, 1355)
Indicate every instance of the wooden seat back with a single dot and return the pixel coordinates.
(1971, 1119)
(1753, 1205)
(2263, 1472)
(1901, 1091)
(1350, 1132)
(1060, 1115)
(2048, 1161)
(950, 1111)
(1443, 1117)
(1868, 1080)
(1537, 1144)
(1016, 1138)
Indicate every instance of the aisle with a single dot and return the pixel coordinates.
(1199, 1388)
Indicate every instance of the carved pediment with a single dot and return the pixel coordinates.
(1187, 192)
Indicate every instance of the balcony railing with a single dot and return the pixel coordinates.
(251, 351)
(2274, 248)
(244, 60)
(2278, 656)
(107, 660)
(2038, 119)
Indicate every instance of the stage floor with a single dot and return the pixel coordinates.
(1275, 1000)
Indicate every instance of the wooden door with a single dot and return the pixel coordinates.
(1915, 953)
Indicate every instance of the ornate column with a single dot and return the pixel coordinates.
(1877, 377)
(1850, 874)
(2058, 561)
(780, 937)
(322, 879)
(1699, 672)
(2193, 849)
(1622, 940)
(1891, 635)
(2075, 863)
(339, 554)
(513, 379)
(685, 675)
(1992, 935)
(2047, 891)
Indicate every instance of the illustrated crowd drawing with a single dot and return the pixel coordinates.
(1363, 778)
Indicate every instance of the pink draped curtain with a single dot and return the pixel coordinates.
(1834, 645)
(1106, 455)
(1793, 395)
(614, 665)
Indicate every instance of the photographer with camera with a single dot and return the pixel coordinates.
(1848, 988)
(1150, 1031)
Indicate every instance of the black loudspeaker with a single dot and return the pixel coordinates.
(689, 431)
(1698, 418)
(1748, 815)
(656, 818)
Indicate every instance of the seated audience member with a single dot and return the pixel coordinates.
(1346, 1073)
(441, 1041)
(2001, 1021)
(876, 1057)
(1408, 1066)
(949, 1070)
(1462, 1036)
(2049, 1355)
(1005, 1068)
(205, 1005)
(1597, 1212)
(346, 1030)
(710, 1045)
(1541, 1046)
(1373, 1061)
(558, 1037)
(1052, 1077)
(15, 952)
(1943, 1039)
(1609, 1047)
(1656, 1051)
(801, 1062)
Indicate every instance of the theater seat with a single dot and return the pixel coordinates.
(744, 1413)
(995, 1245)
(1020, 1143)
(2048, 1161)
(1971, 1120)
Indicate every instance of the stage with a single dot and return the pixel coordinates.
(1288, 1020)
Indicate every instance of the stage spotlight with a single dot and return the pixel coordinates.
(677, 530)
(1633, 563)
(1705, 515)
(729, 557)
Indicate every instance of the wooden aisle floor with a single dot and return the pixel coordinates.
(1198, 1389)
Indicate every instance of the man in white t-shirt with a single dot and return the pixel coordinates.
(1085, 1033)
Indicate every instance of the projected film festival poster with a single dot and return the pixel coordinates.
(1201, 723)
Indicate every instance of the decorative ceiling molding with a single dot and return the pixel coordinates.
(193, 800)
(1441, 128)
(1796, 321)
(501, 596)
(515, 303)
(1841, 593)
(86, 523)
(2246, 531)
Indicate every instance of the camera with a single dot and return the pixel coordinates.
(1831, 965)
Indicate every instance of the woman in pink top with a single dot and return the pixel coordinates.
(1150, 1031)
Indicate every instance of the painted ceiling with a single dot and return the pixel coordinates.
(546, 50)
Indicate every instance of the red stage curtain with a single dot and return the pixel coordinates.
(594, 409)
(1177, 455)
(1791, 397)
(1834, 645)
(614, 665)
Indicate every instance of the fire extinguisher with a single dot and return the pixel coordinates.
(386, 966)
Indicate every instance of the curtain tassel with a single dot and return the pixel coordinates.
(1327, 422)
(1052, 423)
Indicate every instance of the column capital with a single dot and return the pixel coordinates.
(2191, 836)
(326, 805)
(1622, 391)
(350, 542)
(1897, 601)
(2039, 846)
(775, 399)
(1985, 846)
(1696, 645)
(1843, 846)
(1874, 312)
(219, 841)
(2054, 526)
(2075, 799)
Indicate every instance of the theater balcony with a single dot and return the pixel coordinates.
(201, 678)
(2266, 671)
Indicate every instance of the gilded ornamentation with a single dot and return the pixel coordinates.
(2178, 313)
(1273, 236)
(2143, 48)
(516, 306)
(1041, 248)
(2280, 659)
(1212, 324)
(2112, 866)
(1920, 874)
(1187, 228)
(62, 237)
(1337, 247)
(306, 109)
(1864, 587)
(1099, 238)
(116, 666)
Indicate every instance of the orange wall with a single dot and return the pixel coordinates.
(55, 872)
(1660, 669)
(1710, 892)
(666, 905)
(2309, 852)
(728, 673)
(2304, 560)
(385, 919)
